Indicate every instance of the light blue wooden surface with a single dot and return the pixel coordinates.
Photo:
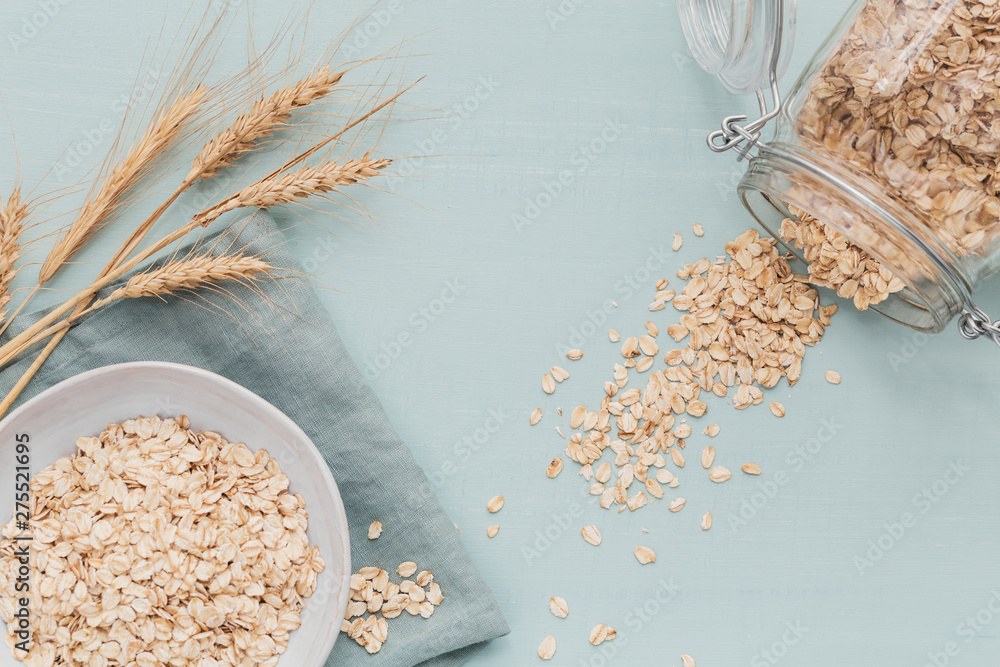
(538, 95)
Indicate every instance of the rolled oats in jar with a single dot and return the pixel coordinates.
(883, 173)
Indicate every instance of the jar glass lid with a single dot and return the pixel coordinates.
(736, 40)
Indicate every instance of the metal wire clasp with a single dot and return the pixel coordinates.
(735, 135)
(743, 138)
(974, 323)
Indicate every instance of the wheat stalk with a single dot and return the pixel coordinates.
(267, 115)
(263, 118)
(188, 274)
(270, 191)
(150, 149)
(12, 216)
(305, 182)
(42, 328)
(310, 181)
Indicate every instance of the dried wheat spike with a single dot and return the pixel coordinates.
(12, 217)
(296, 185)
(147, 152)
(267, 115)
(188, 274)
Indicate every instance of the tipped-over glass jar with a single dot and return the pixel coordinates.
(884, 170)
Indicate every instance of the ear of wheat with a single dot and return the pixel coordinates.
(270, 191)
(198, 272)
(12, 216)
(163, 133)
(188, 274)
(263, 118)
(267, 115)
(299, 184)
(115, 190)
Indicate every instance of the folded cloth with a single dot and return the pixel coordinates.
(279, 342)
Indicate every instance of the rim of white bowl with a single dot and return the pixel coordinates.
(237, 388)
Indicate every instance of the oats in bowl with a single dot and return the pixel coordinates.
(155, 543)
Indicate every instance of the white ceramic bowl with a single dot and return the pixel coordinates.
(86, 403)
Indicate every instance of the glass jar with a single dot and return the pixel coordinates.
(883, 173)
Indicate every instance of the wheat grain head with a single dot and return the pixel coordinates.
(299, 184)
(189, 274)
(168, 128)
(12, 217)
(264, 117)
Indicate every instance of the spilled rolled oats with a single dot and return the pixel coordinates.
(591, 534)
(602, 633)
(719, 474)
(374, 593)
(495, 504)
(644, 555)
(547, 649)
(677, 457)
(707, 457)
(744, 322)
(558, 607)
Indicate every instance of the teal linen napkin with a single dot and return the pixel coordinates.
(301, 366)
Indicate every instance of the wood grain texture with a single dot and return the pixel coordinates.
(456, 313)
